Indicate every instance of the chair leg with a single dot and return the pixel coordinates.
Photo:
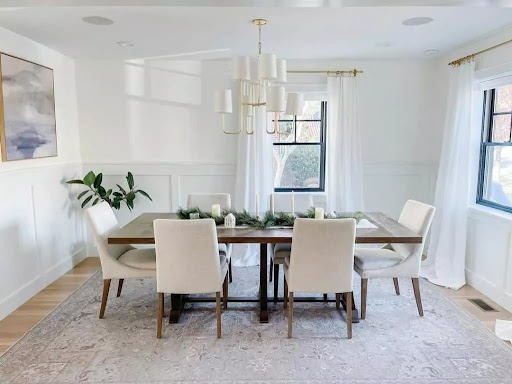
(290, 316)
(364, 293)
(225, 292)
(338, 300)
(230, 272)
(285, 295)
(106, 288)
(160, 315)
(271, 270)
(218, 316)
(276, 281)
(120, 287)
(416, 288)
(348, 298)
(397, 287)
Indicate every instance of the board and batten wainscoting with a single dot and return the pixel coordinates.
(41, 230)
(387, 185)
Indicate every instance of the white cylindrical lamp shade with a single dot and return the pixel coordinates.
(242, 68)
(222, 101)
(295, 104)
(276, 99)
(267, 66)
(281, 71)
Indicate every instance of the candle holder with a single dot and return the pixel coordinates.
(194, 216)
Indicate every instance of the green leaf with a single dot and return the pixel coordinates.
(121, 189)
(96, 201)
(102, 191)
(129, 203)
(109, 192)
(118, 194)
(74, 182)
(89, 178)
(98, 180)
(143, 193)
(130, 196)
(129, 179)
(83, 194)
(86, 201)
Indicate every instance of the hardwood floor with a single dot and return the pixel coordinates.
(14, 326)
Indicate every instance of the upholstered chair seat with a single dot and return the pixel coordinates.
(118, 261)
(396, 260)
(321, 261)
(188, 262)
(204, 202)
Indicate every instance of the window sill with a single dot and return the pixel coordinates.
(479, 210)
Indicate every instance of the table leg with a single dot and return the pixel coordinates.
(263, 284)
(176, 307)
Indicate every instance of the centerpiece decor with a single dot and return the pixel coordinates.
(278, 219)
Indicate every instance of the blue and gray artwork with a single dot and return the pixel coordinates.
(29, 109)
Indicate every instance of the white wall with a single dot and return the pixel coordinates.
(401, 126)
(155, 118)
(40, 229)
(489, 240)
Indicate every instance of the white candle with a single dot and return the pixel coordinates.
(293, 204)
(215, 210)
(319, 213)
(272, 203)
(257, 205)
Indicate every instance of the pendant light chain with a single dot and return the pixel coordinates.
(259, 40)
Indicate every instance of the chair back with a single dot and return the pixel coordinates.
(322, 257)
(187, 256)
(103, 222)
(417, 217)
(283, 202)
(204, 201)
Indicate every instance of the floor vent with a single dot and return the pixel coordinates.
(483, 305)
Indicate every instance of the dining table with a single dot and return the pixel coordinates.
(382, 230)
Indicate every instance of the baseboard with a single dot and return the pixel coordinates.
(489, 289)
(28, 290)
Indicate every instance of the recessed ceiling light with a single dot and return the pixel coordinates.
(431, 52)
(125, 43)
(97, 20)
(417, 21)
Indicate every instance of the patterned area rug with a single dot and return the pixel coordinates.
(393, 345)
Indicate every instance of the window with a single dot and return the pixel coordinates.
(495, 180)
(299, 150)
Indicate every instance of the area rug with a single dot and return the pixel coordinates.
(393, 344)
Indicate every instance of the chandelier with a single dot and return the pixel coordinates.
(267, 91)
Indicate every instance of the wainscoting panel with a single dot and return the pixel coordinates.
(41, 230)
(488, 254)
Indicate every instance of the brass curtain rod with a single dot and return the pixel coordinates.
(470, 57)
(327, 72)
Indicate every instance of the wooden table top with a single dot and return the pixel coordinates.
(140, 231)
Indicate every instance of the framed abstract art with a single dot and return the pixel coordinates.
(27, 110)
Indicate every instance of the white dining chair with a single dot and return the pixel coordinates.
(187, 262)
(117, 261)
(396, 260)
(279, 251)
(321, 261)
(204, 202)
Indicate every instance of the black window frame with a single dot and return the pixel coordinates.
(321, 144)
(486, 142)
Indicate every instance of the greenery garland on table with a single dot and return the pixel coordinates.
(278, 219)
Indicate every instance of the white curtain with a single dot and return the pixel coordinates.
(344, 168)
(254, 174)
(445, 264)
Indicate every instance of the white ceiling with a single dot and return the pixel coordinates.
(296, 29)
